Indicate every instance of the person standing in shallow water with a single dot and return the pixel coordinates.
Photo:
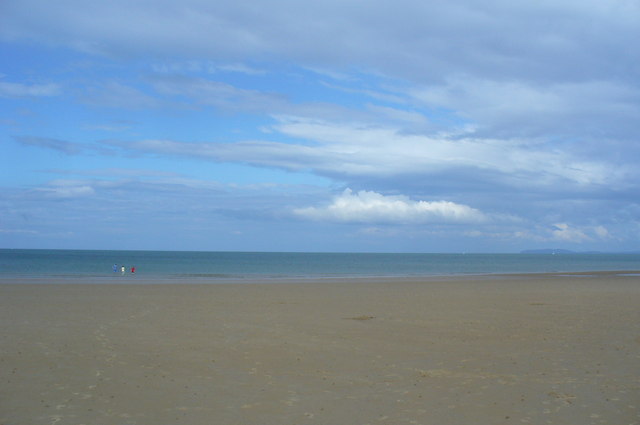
(133, 269)
(115, 268)
(122, 270)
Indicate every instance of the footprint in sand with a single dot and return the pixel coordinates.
(360, 318)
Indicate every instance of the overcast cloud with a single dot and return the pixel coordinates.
(339, 125)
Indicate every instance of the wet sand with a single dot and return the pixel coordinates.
(538, 349)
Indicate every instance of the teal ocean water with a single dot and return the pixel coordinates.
(212, 266)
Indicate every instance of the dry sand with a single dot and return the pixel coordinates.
(538, 349)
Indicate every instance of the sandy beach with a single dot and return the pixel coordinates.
(532, 349)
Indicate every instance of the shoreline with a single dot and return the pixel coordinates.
(533, 348)
(142, 279)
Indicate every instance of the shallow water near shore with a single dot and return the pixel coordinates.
(212, 266)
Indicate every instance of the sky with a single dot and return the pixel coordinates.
(339, 126)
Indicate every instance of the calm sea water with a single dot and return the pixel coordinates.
(249, 265)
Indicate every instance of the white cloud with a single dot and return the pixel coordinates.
(363, 149)
(602, 232)
(372, 207)
(566, 233)
(67, 190)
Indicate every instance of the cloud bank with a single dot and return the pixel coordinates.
(352, 151)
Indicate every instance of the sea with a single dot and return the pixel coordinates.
(211, 267)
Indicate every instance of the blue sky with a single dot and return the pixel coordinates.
(404, 126)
